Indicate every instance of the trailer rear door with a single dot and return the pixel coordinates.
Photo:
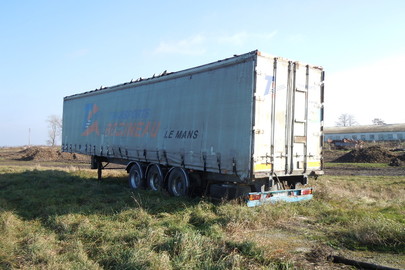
(287, 124)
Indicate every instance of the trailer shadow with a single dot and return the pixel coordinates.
(41, 194)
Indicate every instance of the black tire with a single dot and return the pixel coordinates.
(154, 178)
(179, 182)
(136, 178)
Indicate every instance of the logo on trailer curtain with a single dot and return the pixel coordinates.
(90, 123)
(125, 123)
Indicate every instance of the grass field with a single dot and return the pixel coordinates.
(54, 218)
(357, 165)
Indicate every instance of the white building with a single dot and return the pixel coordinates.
(394, 132)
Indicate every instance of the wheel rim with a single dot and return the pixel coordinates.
(135, 179)
(154, 181)
(178, 183)
(178, 186)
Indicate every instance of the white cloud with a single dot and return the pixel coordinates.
(188, 46)
(242, 37)
(235, 39)
(296, 38)
(198, 44)
(371, 91)
(78, 53)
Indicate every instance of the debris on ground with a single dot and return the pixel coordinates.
(395, 162)
(345, 144)
(401, 157)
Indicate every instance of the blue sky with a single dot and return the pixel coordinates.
(51, 49)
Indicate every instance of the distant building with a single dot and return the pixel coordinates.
(394, 132)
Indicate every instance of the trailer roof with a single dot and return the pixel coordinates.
(171, 75)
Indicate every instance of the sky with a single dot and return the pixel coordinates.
(51, 49)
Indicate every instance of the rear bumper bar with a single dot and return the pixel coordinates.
(289, 195)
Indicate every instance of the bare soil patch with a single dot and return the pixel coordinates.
(49, 154)
(41, 155)
(372, 154)
(356, 158)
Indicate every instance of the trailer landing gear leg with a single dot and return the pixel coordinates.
(99, 170)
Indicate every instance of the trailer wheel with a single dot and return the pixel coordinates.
(136, 178)
(154, 177)
(179, 182)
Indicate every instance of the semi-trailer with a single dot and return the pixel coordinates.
(248, 125)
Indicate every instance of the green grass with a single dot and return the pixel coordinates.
(66, 219)
(363, 212)
(356, 165)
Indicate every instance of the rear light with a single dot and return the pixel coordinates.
(306, 191)
(254, 197)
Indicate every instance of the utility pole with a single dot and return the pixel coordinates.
(29, 137)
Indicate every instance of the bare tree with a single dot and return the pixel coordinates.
(346, 120)
(55, 129)
(378, 122)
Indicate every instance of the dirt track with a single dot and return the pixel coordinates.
(389, 171)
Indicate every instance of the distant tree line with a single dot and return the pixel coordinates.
(347, 120)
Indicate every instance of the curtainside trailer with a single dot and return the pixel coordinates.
(248, 125)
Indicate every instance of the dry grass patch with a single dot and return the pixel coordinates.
(65, 218)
